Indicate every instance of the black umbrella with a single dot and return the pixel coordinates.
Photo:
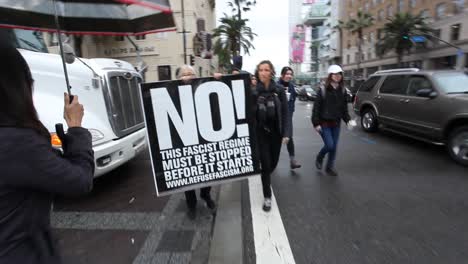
(95, 17)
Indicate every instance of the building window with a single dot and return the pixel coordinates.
(372, 37)
(164, 73)
(140, 37)
(356, 57)
(459, 6)
(440, 11)
(119, 38)
(412, 3)
(425, 14)
(349, 44)
(389, 11)
(380, 16)
(366, 7)
(455, 32)
(369, 54)
(400, 6)
(379, 33)
(348, 58)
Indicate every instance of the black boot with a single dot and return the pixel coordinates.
(210, 203)
(331, 172)
(318, 163)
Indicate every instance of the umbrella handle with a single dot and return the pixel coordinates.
(61, 134)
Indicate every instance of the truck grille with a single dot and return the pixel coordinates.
(123, 103)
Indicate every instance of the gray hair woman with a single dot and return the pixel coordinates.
(186, 73)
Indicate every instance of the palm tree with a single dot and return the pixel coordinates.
(357, 25)
(239, 6)
(228, 43)
(398, 32)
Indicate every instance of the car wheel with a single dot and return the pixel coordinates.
(369, 121)
(458, 145)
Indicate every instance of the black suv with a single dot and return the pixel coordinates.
(426, 105)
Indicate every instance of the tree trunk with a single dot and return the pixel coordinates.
(359, 50)
(341, 46)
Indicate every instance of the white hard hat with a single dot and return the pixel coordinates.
(334, 69)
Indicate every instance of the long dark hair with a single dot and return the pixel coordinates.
(329, 81)
(272, 68)
(16, 87)
(285, 70)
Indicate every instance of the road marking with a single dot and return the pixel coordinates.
(271, 241)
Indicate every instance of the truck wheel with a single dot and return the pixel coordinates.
(458, 145)
(369, 121)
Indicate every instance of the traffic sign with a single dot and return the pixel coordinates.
(418, 39)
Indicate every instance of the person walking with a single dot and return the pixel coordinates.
(285, 81)
(32, 171)
(329, 109)
(272, 124)
(186, 73)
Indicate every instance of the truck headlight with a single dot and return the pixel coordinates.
(96, 134)
(309, 94)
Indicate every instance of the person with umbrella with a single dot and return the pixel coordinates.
(33, 172)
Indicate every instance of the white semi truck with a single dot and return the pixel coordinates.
(108, 90)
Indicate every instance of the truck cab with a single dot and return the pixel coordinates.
(107, 88)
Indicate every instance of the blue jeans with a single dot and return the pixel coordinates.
(330, 136)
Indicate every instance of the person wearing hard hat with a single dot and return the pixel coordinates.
(330, 107)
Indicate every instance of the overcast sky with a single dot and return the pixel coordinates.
(269, 20)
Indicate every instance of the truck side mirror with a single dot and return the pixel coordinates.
(68, 53)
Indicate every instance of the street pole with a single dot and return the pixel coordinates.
(184, 32)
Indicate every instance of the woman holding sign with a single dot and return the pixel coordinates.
(272, 124)
(186, 73)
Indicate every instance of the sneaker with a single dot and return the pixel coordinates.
(210, 203)
(332, 172)
(318, 163)
(295, 165)
(267, 205)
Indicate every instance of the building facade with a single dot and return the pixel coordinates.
(161, 53)
(448, 18)
(321, 40)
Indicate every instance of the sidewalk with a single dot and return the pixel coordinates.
(122, 221)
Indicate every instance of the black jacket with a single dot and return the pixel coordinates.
(292, 96)
(282, 111)
(32, 173)
(330, 105)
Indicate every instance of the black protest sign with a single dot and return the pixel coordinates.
(200, 132)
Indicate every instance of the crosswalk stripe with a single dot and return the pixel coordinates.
(271, 241)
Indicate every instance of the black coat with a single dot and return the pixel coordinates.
(282, 110)
(330, 105)
(32, 173)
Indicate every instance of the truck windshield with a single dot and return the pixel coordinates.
(24, 39)
(30, 40)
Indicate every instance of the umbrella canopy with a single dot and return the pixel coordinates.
(94, 17)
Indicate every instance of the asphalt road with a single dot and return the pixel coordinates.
(396, 200)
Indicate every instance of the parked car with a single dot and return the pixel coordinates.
(302, 93)
(427, 105)
(311, 94)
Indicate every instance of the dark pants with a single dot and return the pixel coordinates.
(330, 136)
(191, 196)
(291, 150)
(270, 146)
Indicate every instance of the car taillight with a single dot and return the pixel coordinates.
(355, 100)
